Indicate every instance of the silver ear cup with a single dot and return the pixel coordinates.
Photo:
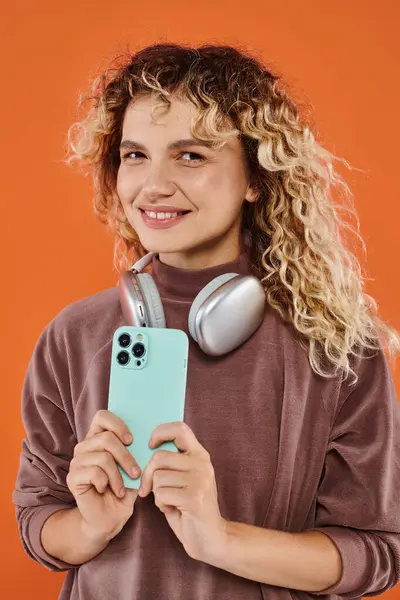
(201, 297)
(226, 313)
(140, 301)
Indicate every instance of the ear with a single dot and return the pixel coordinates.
(251, 196)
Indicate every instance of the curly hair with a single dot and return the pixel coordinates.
(310, 276)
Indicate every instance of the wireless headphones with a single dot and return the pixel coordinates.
(225, 313)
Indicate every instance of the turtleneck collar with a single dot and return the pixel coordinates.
(185, 284)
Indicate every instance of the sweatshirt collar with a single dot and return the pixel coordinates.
(184, 284)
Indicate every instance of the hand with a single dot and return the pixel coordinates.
(94, 478)
(185, 490)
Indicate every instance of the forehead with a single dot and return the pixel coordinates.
(146, 115)
(146, 112)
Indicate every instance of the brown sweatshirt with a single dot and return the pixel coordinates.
(292, 451)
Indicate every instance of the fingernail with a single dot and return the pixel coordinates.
(122, 492)
(141, 491)
(135, 472)
(128, 438)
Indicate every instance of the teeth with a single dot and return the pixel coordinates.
(162, 215)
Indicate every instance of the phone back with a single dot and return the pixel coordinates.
(147, 385)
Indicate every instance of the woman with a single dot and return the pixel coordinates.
(288, 479)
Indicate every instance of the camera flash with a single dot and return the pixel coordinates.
(139, 336)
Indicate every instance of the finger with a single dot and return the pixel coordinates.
(108, 442)
(130, 497)
(81, 480)
(105, 420)
(167, 498)
(178, 432)
(106, 462)
(163, 459)
(169, 479)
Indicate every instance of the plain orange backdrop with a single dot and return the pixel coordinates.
(340, 56)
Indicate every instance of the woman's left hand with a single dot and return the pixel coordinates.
(185, 490)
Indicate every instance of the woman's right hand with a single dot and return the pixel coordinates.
(94, 478)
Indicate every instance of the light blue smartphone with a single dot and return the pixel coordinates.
(147, 386)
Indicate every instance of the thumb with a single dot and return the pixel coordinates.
(130, 497)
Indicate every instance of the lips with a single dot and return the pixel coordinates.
(162, 208)
(162, 217)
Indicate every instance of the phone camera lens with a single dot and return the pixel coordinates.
(124, 340)
(138, 350)
(123, 358)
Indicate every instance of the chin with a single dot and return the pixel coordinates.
(181, 240)
(153, 243)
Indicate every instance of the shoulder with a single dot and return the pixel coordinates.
(283, 336)
(96, 310)
(91, 309)
(83, 326)
(289, 351)
(371, 379)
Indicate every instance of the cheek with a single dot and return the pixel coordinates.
(126, 186)
(222, 191)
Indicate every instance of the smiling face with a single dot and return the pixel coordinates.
(182, 196)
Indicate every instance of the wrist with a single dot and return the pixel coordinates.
(93, 537)
(217, 551)
(67, 536)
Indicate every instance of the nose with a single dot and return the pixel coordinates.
(158, 182)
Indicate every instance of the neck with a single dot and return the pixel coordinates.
(204, 257)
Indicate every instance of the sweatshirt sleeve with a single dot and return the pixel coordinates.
(358, 500)
(47, 449)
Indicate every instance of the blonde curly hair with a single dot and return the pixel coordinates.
(310, 277)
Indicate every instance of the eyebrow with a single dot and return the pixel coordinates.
(178, 145)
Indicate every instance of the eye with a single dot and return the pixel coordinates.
(131, 155)
(193, 157)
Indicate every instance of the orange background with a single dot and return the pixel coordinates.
(343, 56)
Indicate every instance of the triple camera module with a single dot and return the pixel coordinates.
(137, 352)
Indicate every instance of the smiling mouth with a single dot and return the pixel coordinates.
(162, 219)
(163, 216)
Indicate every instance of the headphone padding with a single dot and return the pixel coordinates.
(152, 300)
(202, 296)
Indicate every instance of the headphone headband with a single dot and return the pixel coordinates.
(142, 263)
